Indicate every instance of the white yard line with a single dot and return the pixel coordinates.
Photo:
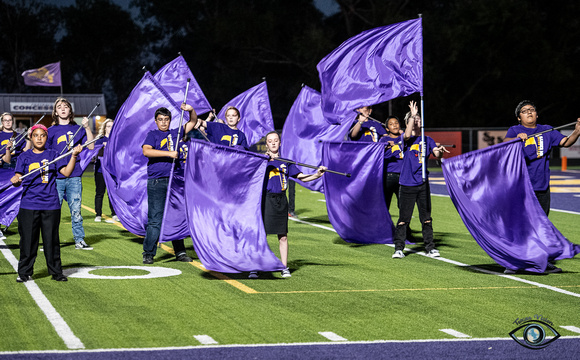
(571, 328)
(205, 339)
(331, 336)
(61, 327)
(455, 333)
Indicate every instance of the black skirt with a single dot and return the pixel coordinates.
(276, 213)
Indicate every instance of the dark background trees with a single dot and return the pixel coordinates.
(480, 57)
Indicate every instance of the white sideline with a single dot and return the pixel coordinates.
(61, 327)
(553, 288)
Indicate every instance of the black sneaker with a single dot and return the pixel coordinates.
(183, 258)
(147, 259)
(59, 277)
(553, 269)
(23, 278)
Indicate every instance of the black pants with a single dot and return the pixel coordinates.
(390, 187)
(100, 193)
(30, 224)
(544, 199)
(291, 195)
(408, 197)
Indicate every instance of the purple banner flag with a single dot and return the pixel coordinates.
(224, 195)
(356, 206)
(9, 197)
(87, 155)
(304, 129)
(373, 67)
(492, 192)
(173, 77)
(48, 75)
(124, 165)
(256, 115)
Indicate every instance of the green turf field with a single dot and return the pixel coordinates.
(355, 291)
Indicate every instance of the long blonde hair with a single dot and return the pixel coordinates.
(71, 117)
(104, 125)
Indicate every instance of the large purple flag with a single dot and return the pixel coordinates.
(223, 198)
(373, 67)
(87, 155)
(356, 206)
(48, 75)
(173, 77)
(304, 129)
(125, 166)
(492, 192)
(9, 197)
(256, 115)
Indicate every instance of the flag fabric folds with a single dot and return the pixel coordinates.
(356, 206)
(173, 77)
(125, 166)
(492, 192)
(223, 199)
(256, 115)
(9, 197)
(373, 67)
(48, 75)
(87, 155)
(304, 129)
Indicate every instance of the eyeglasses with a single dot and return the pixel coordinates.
(7, 120)
(528, 110)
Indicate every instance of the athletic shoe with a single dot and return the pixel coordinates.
(116, 218)
(253, 275)
(183, 258)
(41, 248)
(292, 214)
(110, 221)
(433, 253)
(398, 254)
(24, 278)
(509, 271)
(97, 219)
(147, 259)
(552, 269)
(82, 245)
(286, 273)
(59, 277)
(2, 237)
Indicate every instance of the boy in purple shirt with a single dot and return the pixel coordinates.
(63, 135)
(225, 134)
(537, 148)
(365, 129)
(160, 148)
(412, 188)
(40, 205)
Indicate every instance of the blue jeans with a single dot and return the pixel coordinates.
(73, 189)
(156, 195)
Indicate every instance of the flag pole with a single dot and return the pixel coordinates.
(312, 167)
(423, 147)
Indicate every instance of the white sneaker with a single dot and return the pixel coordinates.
(398, 255)
(97, 219)
(110, 221)
(82, 245)
(116, 218)
(433, 253)
(253, 275)
(286, 273)
(2, 237)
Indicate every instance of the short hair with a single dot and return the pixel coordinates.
(71, 118)
(233, 108)
(162, 111)
(392, 117)
(521, 105)
(273, 132)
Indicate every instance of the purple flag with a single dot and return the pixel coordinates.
(373, 67)
(492, 192)
(173, 77)
(87, 155)
(223, 198)
(125, 166)
(356, 206)
(9, 197)
(256, 115)
(48, 75)
(304, 129)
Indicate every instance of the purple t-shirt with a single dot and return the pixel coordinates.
(394, 155)
(370, 131)
(278, 173)
(537, 152)
(58, 138)
(411, 173)
(39, 190)
(222, 134)
(5, 139)
(160, 167)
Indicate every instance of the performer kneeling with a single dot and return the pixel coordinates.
(276, 205)
(40, 205)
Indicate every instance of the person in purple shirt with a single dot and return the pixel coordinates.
(412, 187)
(365, 129)
(62, 136)
(160, 148)
(40, 205)
(393, 159)
(8, 135)
(226, 134)
(275, 206)
(100, 186)
(537, 148)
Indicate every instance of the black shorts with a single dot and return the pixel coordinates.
(276, 213)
